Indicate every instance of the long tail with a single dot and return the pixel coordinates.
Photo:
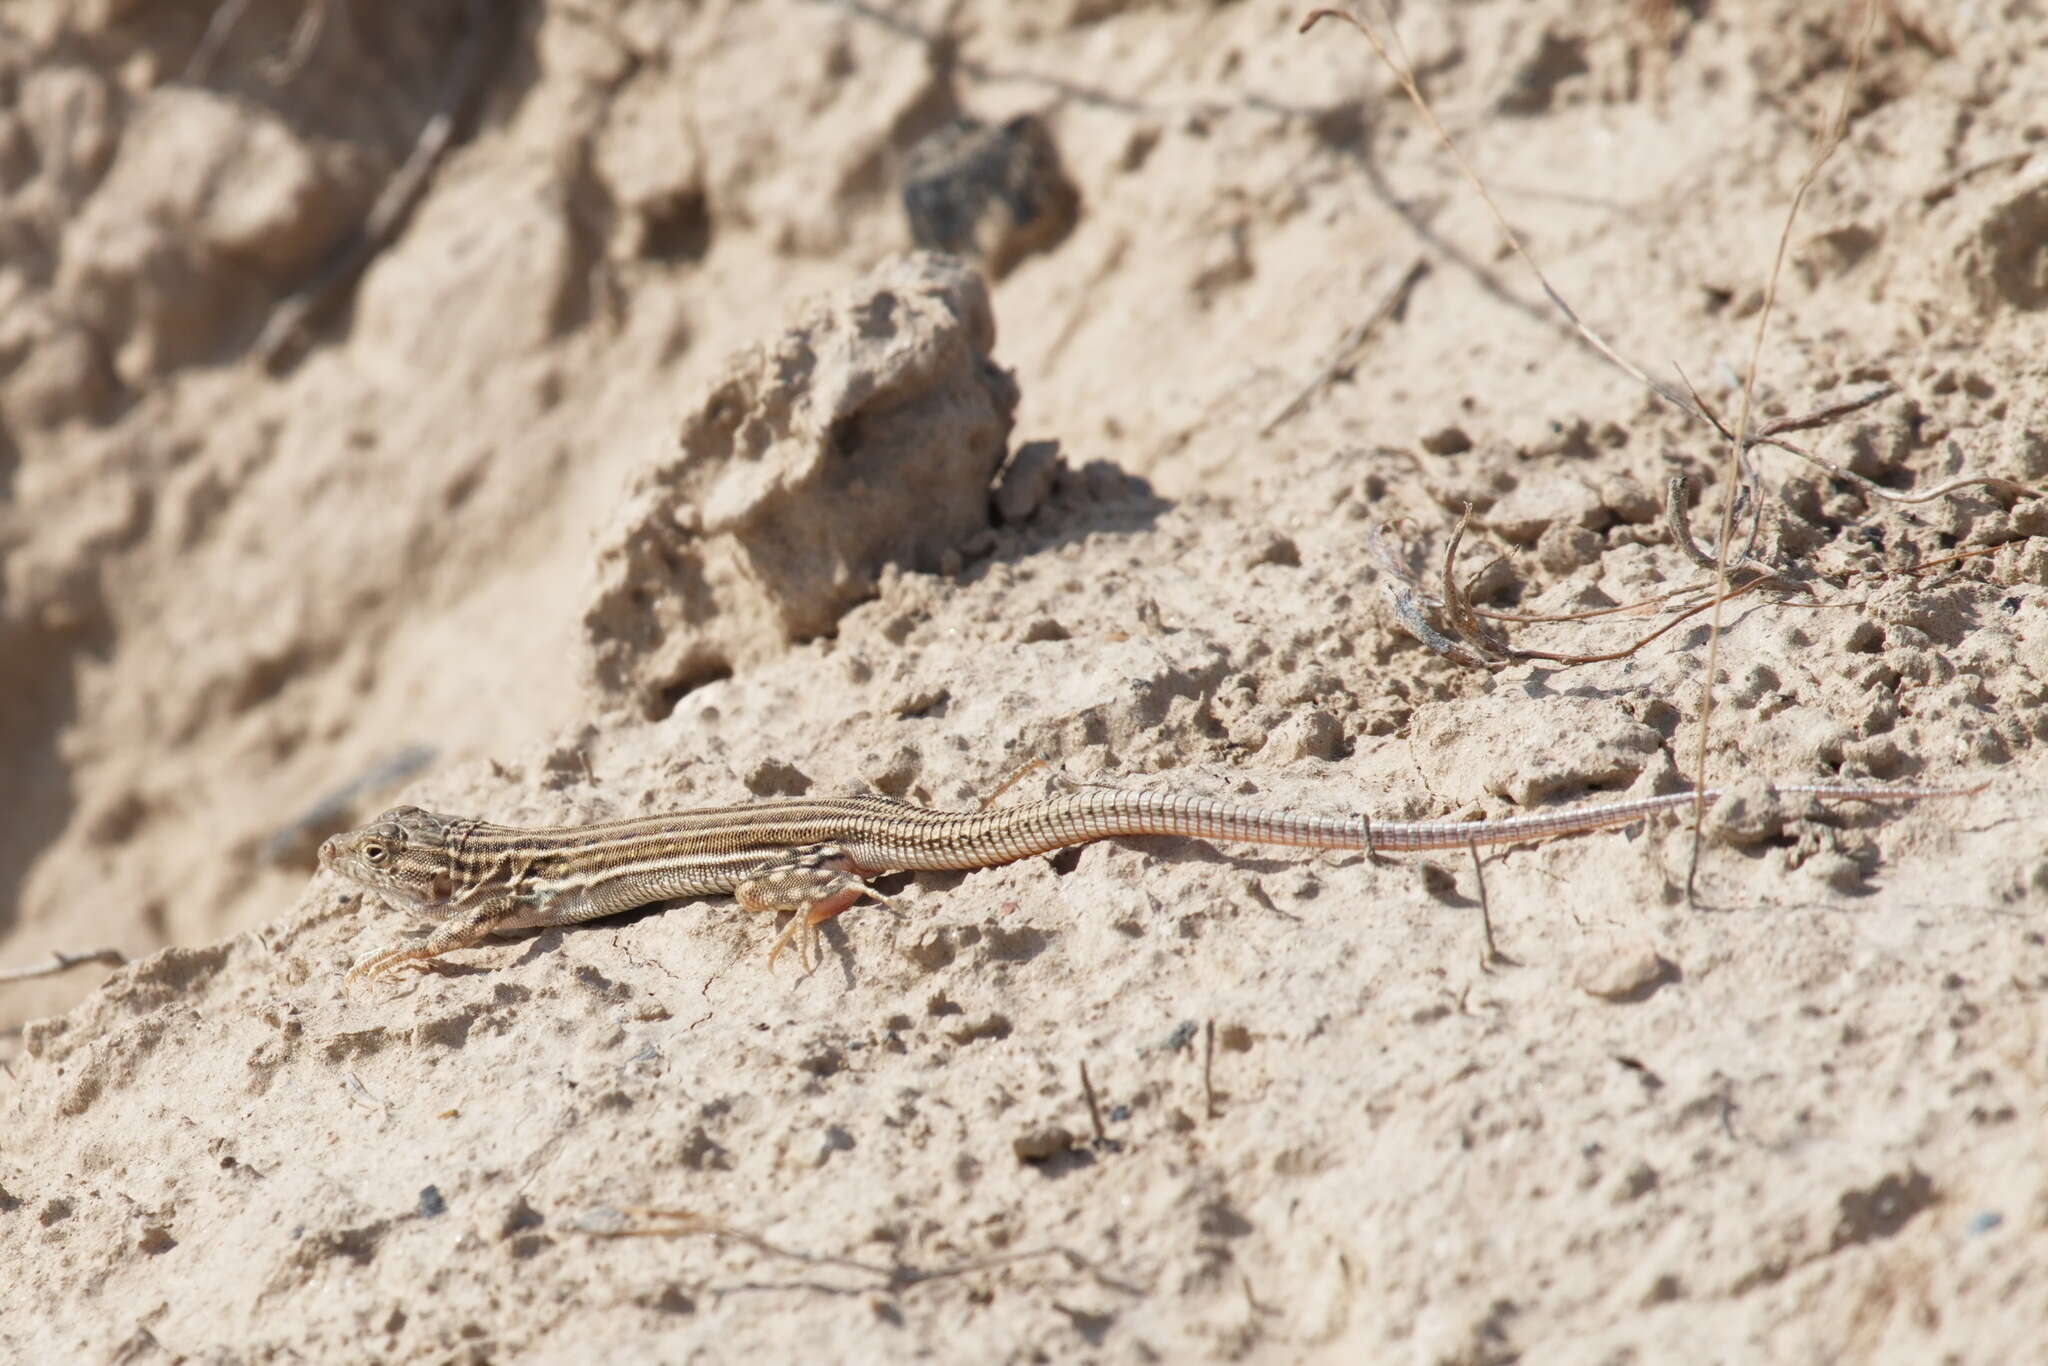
(978, 839)
(1391, 836)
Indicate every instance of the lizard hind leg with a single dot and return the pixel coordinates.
(816, 882)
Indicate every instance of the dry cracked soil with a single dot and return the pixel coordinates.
(562, 409)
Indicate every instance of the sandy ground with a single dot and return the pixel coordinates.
(641, 467)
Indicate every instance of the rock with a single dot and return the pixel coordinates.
(1041, 1144)
(1623, 971)
(1750, 812)
(995, 194)
(1027, 480)
(865, 435)
(1450, 440)
(209, 208)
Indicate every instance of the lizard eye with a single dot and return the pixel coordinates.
(374, 852)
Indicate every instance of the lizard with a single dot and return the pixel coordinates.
(814, 856)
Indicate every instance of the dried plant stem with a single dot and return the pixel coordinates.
(61, 961)
(1391, 304)
(1731, 469)
(1404, 74)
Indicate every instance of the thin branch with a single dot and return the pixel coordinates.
(1628, 650)
(1619, 609)
(683, 1223)
(286, 331)
(1679, 522)
(1396, 298)
(1404, 74)
(1976, 553)
(306, 36)
(1942, 189)
(218, 29)
(1471, 644)
(63, 962)
(1749, 482)
(1848, 476)
(1833, 412)
(1457, 602)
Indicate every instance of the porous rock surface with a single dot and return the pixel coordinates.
(866, 434)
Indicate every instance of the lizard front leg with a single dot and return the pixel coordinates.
(816, 882)
(459, 932)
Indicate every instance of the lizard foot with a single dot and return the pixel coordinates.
(816, 883)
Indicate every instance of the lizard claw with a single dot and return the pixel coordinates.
(384, 964)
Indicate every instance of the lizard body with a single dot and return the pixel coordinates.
(814, 856)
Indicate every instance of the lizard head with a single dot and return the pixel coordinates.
(405, 855)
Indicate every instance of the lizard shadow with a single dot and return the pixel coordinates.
(1161, 849)
(539, 944)
(1183, 849)
(550, 941)
(832, 936)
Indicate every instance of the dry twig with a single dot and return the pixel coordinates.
(1493, 953)
(1209, 1070)
(1396, 298)
(281, 338)
(1094, 1109)
(1471, 644)
(657, 1222)
(63, 962)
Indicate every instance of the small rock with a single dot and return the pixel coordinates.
(1026, 480)
(1563, 547)
(1276, 549)
(1623, 972)
(1835, 869)
(1447, 441)
(1524, 513)
(1041, 1144)
(1749, 813)
(1629, 501)
(777, 778)
(62, 373)
(993, 193)
(862, 439)
(1313, 734)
